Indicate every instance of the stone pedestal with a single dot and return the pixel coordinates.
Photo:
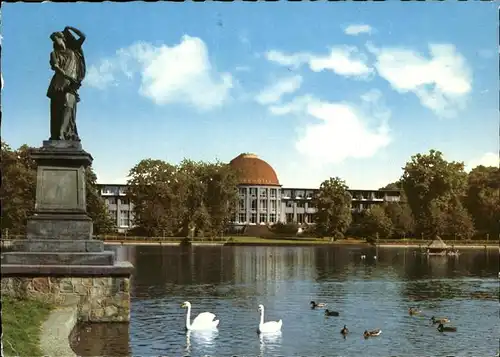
(59, 244)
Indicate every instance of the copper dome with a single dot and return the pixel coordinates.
(254, 171)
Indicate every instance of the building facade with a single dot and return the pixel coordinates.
(262, 200)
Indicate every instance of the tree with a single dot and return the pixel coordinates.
(157, 193)
(18, 188)
(483, 199)
(333, 203)
(96, 209)
(401, 217)
(18, 192)
(191, 199)
(431, 184)
(459, 223)
(375, 221)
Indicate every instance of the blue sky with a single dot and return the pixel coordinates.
(315, 89)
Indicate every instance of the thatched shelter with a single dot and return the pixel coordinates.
(437, 246)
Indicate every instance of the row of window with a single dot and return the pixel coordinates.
(301, 218)
(124, 219)
(114, 201)
(261, 192)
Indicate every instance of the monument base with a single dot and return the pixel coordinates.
(103, 292)
(76, 226)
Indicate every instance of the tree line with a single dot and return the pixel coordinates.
(438, 198)
(196, 198)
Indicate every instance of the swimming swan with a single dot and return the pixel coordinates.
(270, 326)
(204, 321)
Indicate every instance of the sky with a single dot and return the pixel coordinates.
(317, 90)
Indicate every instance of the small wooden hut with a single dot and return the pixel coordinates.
(437, 247)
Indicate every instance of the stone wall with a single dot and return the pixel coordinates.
(101, 299)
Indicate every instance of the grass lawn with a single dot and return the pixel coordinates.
(21, 323)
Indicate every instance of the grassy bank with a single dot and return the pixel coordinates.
(21, 323)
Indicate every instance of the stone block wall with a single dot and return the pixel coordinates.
(100, 299)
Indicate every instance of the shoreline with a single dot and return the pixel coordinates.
(359, 244)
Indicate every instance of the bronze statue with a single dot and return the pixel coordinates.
(68, 63)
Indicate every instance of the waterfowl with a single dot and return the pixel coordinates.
(413, 311)
(314, 305)
(331, 313)
(442, 320)
(269, 326)
(442, 328)
(204, 321)
(344, 331)
(372, 333)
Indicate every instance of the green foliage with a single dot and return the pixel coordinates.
(333, 203)
(483, 199)
(21, 323)
(18, 192)
(285, 228)
(433, 186)
(376, 223)
(191, 199)
(401, 217)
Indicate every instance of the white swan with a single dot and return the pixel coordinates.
(204, 321)
(270, 326)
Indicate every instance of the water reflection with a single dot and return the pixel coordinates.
(369, 293)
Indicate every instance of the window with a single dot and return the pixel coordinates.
(311, 205)
(124, 201)
(243, 191)
(262, 218)
(289, 217)
(272, 217)
(263, 204)
(309, 218)
(253, 192)
(112, 200)
(299, 194)
(263, 192)
(300, 218)
(272, 193)
(287, 193)
(289, 203)
(254, 204)
(300, 205)
(112, 213)
(242, 218)
(253, 218)
(242, 204)
(273, 206)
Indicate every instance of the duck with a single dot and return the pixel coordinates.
(314, 305)
(442, 328)
(331, 313)
(344, 330)
(442, 320)
(372, 333)
(413, 311)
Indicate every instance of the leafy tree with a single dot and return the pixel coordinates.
(483, 199)
(193, 198)
(459, 223)
(18, 188)
(375, 221)
(333, 203)
(96, 209)
(156, 192)
(401, 217)
(18, 192)
(431, 185)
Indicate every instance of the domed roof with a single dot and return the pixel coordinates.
(254, 171)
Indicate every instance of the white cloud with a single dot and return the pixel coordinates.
(169, 74)
(344, 130)
(487, 159)
(441, 81)
(342, 60)
(273, 93)
(357, 29)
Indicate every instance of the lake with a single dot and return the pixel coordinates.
(368, 293)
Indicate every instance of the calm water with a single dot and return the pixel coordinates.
(369, 294)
